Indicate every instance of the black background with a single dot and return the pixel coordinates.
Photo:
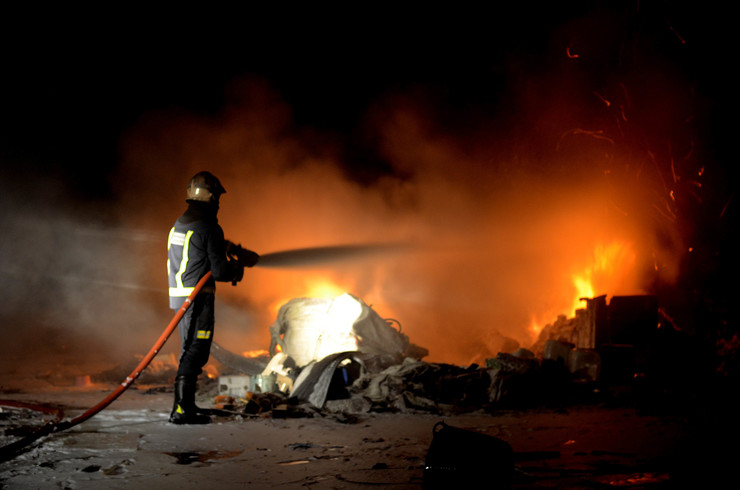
(74, 81)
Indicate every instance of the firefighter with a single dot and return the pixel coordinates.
(196, 245)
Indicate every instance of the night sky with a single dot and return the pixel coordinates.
(71, 87)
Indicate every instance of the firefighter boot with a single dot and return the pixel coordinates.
(184, 410)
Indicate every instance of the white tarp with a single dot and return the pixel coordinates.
(309, 329)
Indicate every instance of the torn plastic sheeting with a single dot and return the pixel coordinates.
(427, 386)
(399, 387)
(314, 381)
(388, 383)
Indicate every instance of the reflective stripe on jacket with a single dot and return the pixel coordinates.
(177, 246)
(195, 246)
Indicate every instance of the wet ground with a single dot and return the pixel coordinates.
(131, 444)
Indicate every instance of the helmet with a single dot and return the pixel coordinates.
(204, 186)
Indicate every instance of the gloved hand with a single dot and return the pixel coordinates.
(238, 274)
(248, 258)
(244, 257)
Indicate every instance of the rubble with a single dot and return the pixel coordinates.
(239, 364)
(374, 371)
(352, 386)
(411, 386)
(340, 356)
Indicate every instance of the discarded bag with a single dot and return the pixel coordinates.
(457, 457)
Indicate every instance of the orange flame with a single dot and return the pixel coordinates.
(321, 287)
(255, 353)
(316, 285)
(608, 270)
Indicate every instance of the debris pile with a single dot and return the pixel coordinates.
(348, 383)
(338, 356)
(159, 371)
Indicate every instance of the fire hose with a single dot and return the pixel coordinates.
(291, 258)
(11, 450)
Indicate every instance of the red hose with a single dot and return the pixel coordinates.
(9, 451)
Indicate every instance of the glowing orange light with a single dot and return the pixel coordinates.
(255, 353)
(210, 371)
(313, 286)
(604, 271)
(323, 288)
(603, 99)
(536, 325)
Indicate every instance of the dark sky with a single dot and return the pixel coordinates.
(72, 82)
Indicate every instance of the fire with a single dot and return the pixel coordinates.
(323, 288)
(255, 353)
(211, 371)
(316, 285)
(608, 269)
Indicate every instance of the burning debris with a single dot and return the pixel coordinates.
(319, 348)
(308, 329)
(339, 356)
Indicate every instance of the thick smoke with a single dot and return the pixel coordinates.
(496, 228)
(499, 204)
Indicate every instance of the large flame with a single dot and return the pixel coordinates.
(609, 270)
(610, 267)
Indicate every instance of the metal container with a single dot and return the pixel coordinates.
(236, 386)
(263, 383)
(556, 350)
(585, 364)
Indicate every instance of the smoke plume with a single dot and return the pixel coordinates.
(495, 228)
(547, 171)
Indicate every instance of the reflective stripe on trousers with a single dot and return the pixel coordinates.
(196, 335)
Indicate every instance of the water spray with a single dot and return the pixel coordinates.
(307, 257)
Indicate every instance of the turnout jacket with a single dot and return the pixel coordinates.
(195, 246)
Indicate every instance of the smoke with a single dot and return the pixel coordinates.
(494, 228)
(74, 298)
(501, 188)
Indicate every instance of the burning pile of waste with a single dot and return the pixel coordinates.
(319, 348)
(339, 356)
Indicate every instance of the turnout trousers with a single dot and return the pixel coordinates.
(196, 335)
